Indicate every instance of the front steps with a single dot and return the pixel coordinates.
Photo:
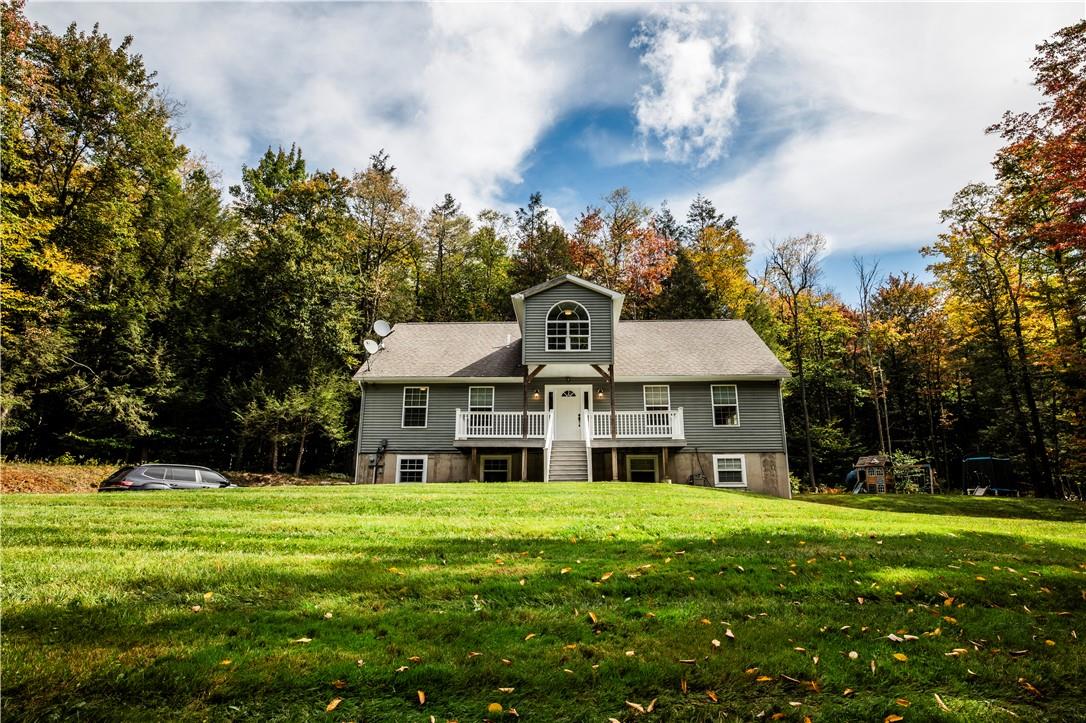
(569, 462)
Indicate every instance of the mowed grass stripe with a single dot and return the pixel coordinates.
(98, 596)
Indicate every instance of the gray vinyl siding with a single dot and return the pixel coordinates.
(761, 428)
(535, 326)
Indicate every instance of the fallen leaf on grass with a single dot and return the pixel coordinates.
(226, 662)
(763, 678)
(682, 685)
(564, 570)
(208, 596)
(328, 616)
(847, 692)
(339, 684)
(506, 690)
(892, 718)
(903, 702)
(302, 640)
(651, 706)
(729, 634)
(333, 704)
(473, 654)
(422, 698)
(711, 695)
(688, 661)
(901, 656)
(592, 617)
(506, 661)
(529, 636)
(1029, 687)
(853, 655)
(195, 608)
(635, 706)
(415, 659)
(716, 643)
(630, 653)
(606, 576)
(401, 669)
(941, 704)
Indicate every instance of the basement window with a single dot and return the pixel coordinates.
(730, 470)
(495, 468)
(410, 469)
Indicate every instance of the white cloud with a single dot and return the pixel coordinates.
(875, 112)
(696, 65)
(458, 95)
(887, 106)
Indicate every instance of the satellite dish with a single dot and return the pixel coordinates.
(381, 328)
(371, 346)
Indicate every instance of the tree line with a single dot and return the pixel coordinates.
(150, 313)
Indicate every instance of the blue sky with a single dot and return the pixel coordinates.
(857, 121)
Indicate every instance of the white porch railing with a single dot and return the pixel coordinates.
(640, 425)
(499, 425)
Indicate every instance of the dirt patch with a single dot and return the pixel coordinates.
(268, 479)
(51, 478)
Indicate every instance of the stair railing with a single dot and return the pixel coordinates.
(548, 439)
(586, 433)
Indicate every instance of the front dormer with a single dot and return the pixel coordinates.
(568, 320)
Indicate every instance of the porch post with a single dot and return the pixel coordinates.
(524, 419)
(614, 415)
(524, 465)
(473, 473)
(666, 474)
(614, 464)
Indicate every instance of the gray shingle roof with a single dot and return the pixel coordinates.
(696, 348)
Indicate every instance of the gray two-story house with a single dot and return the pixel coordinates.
(571, 392)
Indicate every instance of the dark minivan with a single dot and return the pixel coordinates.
(163, 477)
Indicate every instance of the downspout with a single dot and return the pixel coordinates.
(358, 440)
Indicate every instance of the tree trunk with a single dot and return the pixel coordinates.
(1043, 486)
(301, 451)
(796, 346)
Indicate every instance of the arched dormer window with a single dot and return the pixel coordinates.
(568, 327)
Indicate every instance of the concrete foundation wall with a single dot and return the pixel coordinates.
(766, 472)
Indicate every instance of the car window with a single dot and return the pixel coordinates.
(118, 475)
(154, 472)
(182, 474)
(208, 476)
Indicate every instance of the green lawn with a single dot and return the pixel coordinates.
(268, 604)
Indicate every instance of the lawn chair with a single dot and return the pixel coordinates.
(978, 491)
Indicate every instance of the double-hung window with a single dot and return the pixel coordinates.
(480, 410)
(729, 470)
(568, 327)
(725, 405)
(415, 402)
(657, 408)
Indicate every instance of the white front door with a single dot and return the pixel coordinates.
(567, 413)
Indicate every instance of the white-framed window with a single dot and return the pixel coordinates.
(569, 327)
(416, 400)
(725, 399)
(729, 470)
(657, 397)
(480, 399)
(642, 468)
(495, 467)
(410, 468)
